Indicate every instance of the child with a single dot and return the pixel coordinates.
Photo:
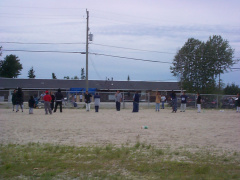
(47, 100)
(31, 104)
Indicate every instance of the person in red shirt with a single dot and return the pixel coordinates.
(47, 100)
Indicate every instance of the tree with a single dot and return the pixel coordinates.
(220, 53)
(66, 77)
(231, 89)
(10, 67)
(54, 76)
(31, 73)
(82, 74)
(128, 78)
(196, 64)
(75, 77)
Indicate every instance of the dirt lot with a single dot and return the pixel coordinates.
(211, 128)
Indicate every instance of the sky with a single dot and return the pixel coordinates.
(125, 34)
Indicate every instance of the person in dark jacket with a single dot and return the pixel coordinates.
(58, 100)
(174, 102)
(52, 101)
(136, 99)
(31, 104)
(88, 100)
(14, 98)
(19, 99)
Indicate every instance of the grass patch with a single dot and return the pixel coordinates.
(140, 161)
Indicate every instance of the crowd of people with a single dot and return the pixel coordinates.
(50, 99)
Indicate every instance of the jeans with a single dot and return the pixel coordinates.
(88, 106)
(157, 106)
(163, 105)
(118, 105)
(135, 106)
(96, 108)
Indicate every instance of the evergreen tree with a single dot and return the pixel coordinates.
(82, 74)
(31, 73)
(54, 76)
(10, 67)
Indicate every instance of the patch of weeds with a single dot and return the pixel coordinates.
(159, 152)
(202, 170)
(137, 145)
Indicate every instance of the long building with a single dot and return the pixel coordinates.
(7, 85)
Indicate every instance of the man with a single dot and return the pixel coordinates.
(88, 100)
(58, 97)
(47, 100)
(118, 99)
(136, 99)
(183, 102)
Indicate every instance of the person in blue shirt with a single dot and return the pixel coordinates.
(136, 99)
(183, 102)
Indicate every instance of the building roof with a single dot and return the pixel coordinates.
(9, 83)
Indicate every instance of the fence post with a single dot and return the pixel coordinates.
(123, 101)
(217, 101)
(148, 100)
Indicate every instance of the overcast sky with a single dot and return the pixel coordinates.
(140, 29)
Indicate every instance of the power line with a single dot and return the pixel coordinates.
(73, 52)
(137, 59)
(40, 43)
(132, 48)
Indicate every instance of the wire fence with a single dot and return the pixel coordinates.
(147, 100)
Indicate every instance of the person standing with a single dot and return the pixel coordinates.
(174, 102)
(183, 102)
(157, 100)
(163, 99)
(136, 99)
(47, 100)
(96, 102)
(14, 98)
(19, 99)
(118, 100)
(199, 102)
(31, 104)
(52, 101)
(88, 100)
(80, 97)
(58, 100)
(238, 102)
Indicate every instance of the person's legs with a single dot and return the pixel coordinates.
(56, 105)
(60, 103)
(199, 108)
(181, 109)
(45, 107)
(184, 107)
(118, 106)
(17, 107)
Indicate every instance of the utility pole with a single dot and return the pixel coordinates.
(87, 51)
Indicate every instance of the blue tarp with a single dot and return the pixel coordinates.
(78, 90)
